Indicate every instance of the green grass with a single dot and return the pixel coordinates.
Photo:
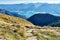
(46, 35)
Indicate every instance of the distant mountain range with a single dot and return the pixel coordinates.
(3, 11)
(40, 19)
(27, 9)
(38, 13)
(44, 19)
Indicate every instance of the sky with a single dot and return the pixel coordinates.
(28, 1)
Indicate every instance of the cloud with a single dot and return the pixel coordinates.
(27, 1)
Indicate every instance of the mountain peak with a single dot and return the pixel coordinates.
(43, 19)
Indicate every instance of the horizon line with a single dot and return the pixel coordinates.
(29, 3)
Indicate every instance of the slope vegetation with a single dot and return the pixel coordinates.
(13, 28)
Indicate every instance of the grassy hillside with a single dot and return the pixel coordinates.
(47, 33)
(15, 20)
(13, 28)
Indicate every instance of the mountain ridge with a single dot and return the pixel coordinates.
(35, 7)
(43, 19)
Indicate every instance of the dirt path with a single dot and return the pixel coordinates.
(30, 35)
(32, 38)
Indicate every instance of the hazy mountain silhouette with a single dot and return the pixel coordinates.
(35, 7)
(3, 11)
(43, 19)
